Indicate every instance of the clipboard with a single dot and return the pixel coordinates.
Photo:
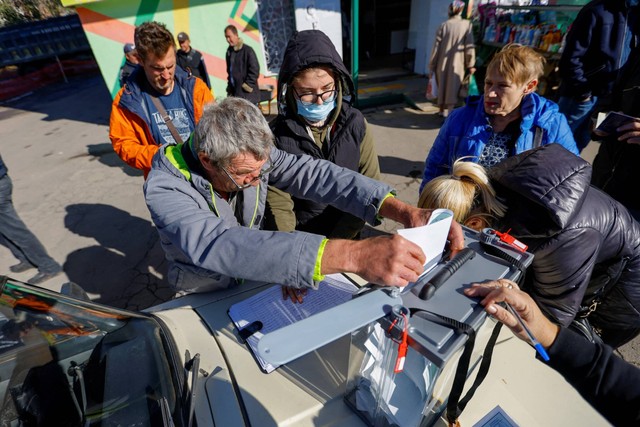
(267, 311)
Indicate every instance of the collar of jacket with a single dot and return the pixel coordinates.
(132, 90)
(238, 45)
(182, 157)
(530, 105)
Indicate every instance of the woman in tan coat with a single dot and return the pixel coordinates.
(453, 54)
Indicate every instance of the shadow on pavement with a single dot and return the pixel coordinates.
(104, 154)
(401, 167)
(55, 102)
(126, 268)
(403, 118)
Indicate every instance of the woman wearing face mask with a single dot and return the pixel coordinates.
(508, 119)
(315, 117)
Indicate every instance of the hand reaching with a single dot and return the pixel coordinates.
(503, 290)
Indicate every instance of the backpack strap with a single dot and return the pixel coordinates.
(537, 136)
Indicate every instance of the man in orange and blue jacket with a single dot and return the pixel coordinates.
(137, 129)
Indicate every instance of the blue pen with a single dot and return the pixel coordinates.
(539, 348)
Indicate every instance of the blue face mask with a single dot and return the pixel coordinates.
(314, 112)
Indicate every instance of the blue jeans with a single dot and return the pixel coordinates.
(15, 235)
(578, 115)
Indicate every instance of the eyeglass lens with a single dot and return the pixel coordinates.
(312, 98)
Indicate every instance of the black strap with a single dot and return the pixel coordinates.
(455, 405)
(497, 252)
(537, 136)
(484, 366)
(167, 119)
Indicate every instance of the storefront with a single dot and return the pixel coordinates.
(496, 23)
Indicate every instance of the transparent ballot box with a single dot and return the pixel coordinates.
(418, 395)
(405, 343)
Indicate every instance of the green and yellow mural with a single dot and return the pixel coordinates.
(109, 24)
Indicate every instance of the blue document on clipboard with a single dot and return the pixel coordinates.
(431, 237)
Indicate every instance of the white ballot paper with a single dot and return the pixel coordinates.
(431, 237)
(271, 312)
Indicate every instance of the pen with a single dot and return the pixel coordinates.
(539, 348)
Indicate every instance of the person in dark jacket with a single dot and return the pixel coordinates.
(607, 382)
(586, 245)
(191, 60)
(130, 63)
(315, 117)
(596, 49)
(615, 168)
(243, 68)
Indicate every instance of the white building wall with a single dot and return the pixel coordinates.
(323, 15)
(426, 17)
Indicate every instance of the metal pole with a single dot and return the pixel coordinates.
(355, 37)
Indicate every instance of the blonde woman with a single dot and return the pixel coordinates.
(508, 119)
(586, 245)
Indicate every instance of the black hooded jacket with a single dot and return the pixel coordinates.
(345, 136)
(585, 243)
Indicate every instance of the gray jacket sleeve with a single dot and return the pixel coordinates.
(320, 180)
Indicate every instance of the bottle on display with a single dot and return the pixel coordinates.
(537, 35)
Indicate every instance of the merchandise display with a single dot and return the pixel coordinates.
(543, 27)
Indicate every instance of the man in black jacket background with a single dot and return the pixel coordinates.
(243, 68)
(130, 63)
(191, 60)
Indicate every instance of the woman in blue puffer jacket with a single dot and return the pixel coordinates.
(508, 119)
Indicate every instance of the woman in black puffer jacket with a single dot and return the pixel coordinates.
(586, 245)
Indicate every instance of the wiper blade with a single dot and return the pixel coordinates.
(167, 420)
(192, 365)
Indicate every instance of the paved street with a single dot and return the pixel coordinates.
(87, 207)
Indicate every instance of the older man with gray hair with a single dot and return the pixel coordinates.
(207, 198)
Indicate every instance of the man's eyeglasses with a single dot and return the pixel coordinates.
(311, 98)
(262, 173)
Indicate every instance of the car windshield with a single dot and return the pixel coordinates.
(81, 363)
